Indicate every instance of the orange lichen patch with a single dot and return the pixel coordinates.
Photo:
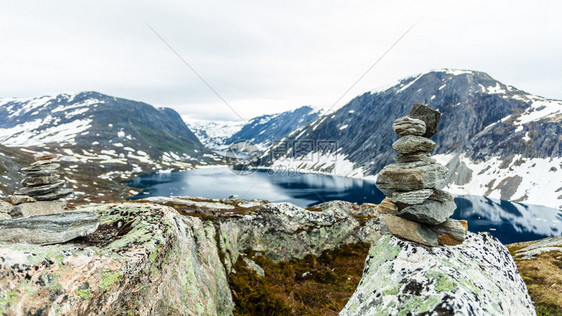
(308, 286)
(464, 223)
(448, 240)
(387, 207)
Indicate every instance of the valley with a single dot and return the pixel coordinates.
(502, 147)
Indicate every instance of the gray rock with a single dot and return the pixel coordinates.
(410, 177)
(411, 144)
(59, 194)
(411, 197)
(539, 246)
(39, 173)
(387, 207)
(412, 157)
(38, 209)
(452, 232)
(408, 126)
(48, 229)
(41, 162)
(430, 212)
(384, 228)
(282, 231)
(459, 172)
(441, 196)
(18, 199)
(410, 230)
(40, 180)
(49, 166)
(5, 209)
(476, 278)
(40, 190)
(45, 156)
(252, 265)
(429, 116)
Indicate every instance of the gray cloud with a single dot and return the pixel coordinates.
(267, 57)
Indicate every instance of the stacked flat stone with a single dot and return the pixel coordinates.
(34, 214)
(42, 180)
(415, 207)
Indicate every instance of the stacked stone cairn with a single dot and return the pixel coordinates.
(42, 180)
(415, 207)
(36, 214)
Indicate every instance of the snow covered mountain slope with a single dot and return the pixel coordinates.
(497, 141)
(99, 138)
(214, 134)
(263, 130)
(90, 119)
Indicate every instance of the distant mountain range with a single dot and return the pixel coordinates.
(102, 138)
(497, 140)
(214, 134)
(262, 131)
(95, 120)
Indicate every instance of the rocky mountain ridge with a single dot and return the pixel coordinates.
(263, 131)
(497, 140)
(213, 135)
(94, 119)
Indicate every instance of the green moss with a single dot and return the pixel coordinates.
(109, 278)
(443, 282)
(546, 309)
(84, 294)
(8, 299)
(56, 287)
(153, 255)
(382, 252)
(110, 219)
(417, 305)
(393, 291)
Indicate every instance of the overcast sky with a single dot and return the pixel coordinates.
(269, 56)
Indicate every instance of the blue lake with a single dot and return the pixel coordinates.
(508, 221)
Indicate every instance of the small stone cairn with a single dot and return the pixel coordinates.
(415, 207)
(42, 180)
(35, 214)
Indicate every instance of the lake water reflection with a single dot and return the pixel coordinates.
(509, 222)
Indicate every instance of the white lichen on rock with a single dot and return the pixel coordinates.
(478, 277)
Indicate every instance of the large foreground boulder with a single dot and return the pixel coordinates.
(477, 277)
(145, 259)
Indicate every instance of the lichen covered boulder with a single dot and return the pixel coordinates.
(477, 277)
(144, 259)
(283, 231)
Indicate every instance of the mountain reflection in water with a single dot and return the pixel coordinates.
(508, 221)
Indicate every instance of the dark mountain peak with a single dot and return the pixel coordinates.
(470, 100)
(266, 129)
(90, 118)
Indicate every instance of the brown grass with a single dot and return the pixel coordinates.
(309, 286)
(543, 276)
